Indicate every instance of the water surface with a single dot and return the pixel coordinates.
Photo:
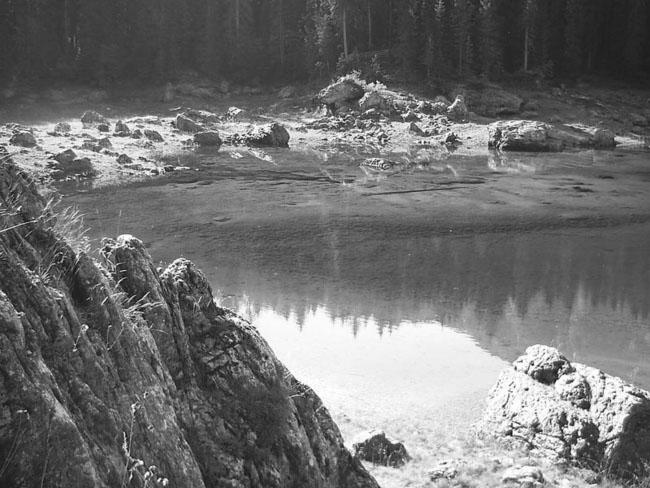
(401, 296)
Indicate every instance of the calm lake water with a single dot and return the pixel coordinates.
(399, 298)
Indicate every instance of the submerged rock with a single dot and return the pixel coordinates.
(376, 448)
(571, 411)
(115, 372)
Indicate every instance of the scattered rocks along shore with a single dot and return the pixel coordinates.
(117, 371)
(571, 411)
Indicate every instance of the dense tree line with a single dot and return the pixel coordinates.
(106, 40)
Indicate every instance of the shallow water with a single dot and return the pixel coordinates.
(398, 297)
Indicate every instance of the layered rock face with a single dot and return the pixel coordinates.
(571, 411)
(121, 375)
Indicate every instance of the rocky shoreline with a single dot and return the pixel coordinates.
(115, 149)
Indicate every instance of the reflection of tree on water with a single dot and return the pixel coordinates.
(585, 291)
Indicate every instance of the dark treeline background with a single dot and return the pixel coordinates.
(102, 41)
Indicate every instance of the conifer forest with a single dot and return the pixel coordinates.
(103, 41)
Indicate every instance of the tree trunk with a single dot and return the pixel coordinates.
(237, 23)
(525, 49)
(345, 35)
(369, 27)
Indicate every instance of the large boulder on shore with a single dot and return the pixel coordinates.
(121, 375)
(342, 92)
(186, 124)
(571, 411)
(531, 135)
(273, 135)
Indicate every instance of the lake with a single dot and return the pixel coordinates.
(399, 297)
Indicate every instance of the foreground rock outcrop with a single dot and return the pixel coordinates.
(571, 411)
(119, 375)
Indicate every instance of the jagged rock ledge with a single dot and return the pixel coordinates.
(118, 375)
(571, 411)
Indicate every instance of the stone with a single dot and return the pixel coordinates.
(62, 128)
(72, 167)
(153, 135)
(103, 127)
(203, 116)
(144, 359)
(523, 475)
(124, 159)
(66, 156)
(376, 448)
(235, 113)
(530, 135)
(450, 138)
(185, 124)
(272, 135)
(208, 138)
(91, 118)
(104, 143)
(121, 129)
(375, 100)
(415, 129)
(571, 411)
(458, 110)
(23, 139)
(344, 91)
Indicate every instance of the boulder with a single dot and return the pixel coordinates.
(376, 448)
(273, 135)
(23, 139)
(185, 124)
(91, 118)
(121, 129)
(415, 129)
(203, 116)
(523, 476)
(62, 128)
(124, 159)
(137, 374)
(235, 113)
(103, 127)
(343, 92)
(71, 167)
(571, 411)
(375, 100)
(458, 110)
(153, 135)
(104, 143)
(208, 138)
(530, 135)
(65, 157)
